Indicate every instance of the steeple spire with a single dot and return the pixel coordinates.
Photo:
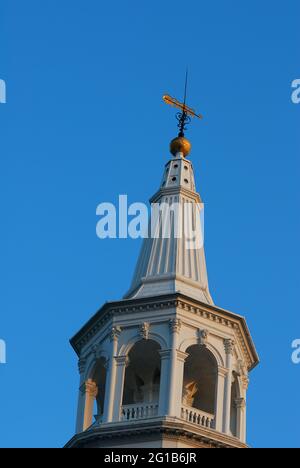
(173, 263)
(169, 264)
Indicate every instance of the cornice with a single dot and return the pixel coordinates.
(176, 300)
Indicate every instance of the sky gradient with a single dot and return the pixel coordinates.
(84, 122)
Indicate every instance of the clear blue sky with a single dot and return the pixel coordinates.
(85, 122)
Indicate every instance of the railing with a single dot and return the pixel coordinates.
(149, 410)
(198, 417)
(142, 411)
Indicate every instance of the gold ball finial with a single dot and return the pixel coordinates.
(180, 145)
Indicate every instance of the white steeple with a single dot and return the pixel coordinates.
(165, 367)
(169, 264)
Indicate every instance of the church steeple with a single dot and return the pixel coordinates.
(164, 367)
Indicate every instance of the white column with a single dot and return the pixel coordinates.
(87, 393)
(228, 345)
(219, 406)
(121, 364)
(241, 406)
(181, 357)
(80, 410)
(164, 378)
(91, 392)
(241, 419)
(111, 376)
(175, 325)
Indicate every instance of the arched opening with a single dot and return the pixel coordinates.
(199, 386)
(142, 381)
(233, 406)
(94, 394)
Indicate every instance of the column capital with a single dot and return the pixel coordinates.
(122, 361)
(115, 333)
(90, 388)
(229, 346)
(144, 330)
(175, 325)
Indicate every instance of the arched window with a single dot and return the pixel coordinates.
(142, 381)
(200, 379)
